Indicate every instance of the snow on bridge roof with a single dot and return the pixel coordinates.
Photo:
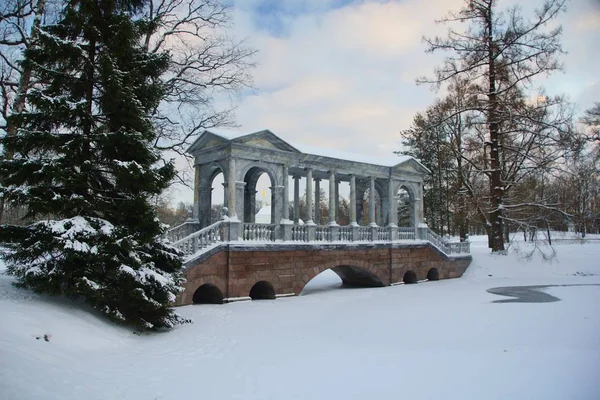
(385, 161)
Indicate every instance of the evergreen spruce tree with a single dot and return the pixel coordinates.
(84, 167)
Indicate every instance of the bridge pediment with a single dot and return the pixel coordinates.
(262, 140)
(411, 165)
(267, 140)
(207, 140)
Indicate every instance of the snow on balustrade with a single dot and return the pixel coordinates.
(201, 239)
(183, 230)
(445, 246)
(256, 232)
(406, 233)
(457, 247)
(259, 232)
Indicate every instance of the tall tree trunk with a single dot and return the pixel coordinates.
(24, 82)
(496, 186)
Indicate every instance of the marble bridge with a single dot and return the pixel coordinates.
(238, 258)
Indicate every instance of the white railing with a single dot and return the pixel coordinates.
(445, 246)
(458, 247)
(182, 231)
(252, 232)
(322, 234)
(406, 233)
(300, 233)
(364, 233)
(383, 233)
(201, 239)
(345, 234)
(258, 232)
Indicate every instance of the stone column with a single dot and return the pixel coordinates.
(419, 204)
(337, 200)
(353, 201)
(332, 199)
(277, 216)
(196, 209)
(239, 199)
(296, 199)
(285, 211)
(372, 203)
(393, 204)
(204, 207)
(393, 210)
(231, 206)
(234, 223)
(250, 202)
(318, 201)
(309, 197)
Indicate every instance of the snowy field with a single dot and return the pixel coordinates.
(433, 340)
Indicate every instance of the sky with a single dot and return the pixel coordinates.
(341, 73)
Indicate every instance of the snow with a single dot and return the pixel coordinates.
(71, 227)
(434, 340)
(386, 161)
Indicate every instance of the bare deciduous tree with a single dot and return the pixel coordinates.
(500, 54)
(208, 68)
(15, 79)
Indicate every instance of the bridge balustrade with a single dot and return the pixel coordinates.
(322, 234)
(300, 233)
(226, 231)
(201, 239)
(345, 234)
(383, 234)
(259, 232)
(406, 233)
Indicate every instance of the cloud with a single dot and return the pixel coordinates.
(341, 74)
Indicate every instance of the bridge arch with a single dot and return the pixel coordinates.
(262, 290)
(433, 274)
(351, 272)
(208, 294)
(409, 277)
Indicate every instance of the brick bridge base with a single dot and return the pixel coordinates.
(237, 271)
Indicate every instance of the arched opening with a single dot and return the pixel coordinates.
(208, 294)
(217, 196)
(433, 274)
(342, 276)
(356, 276)
(405, 208)
(262, 290)
(410, 277)
(258, 198)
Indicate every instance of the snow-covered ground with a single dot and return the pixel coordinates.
(434, 340)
